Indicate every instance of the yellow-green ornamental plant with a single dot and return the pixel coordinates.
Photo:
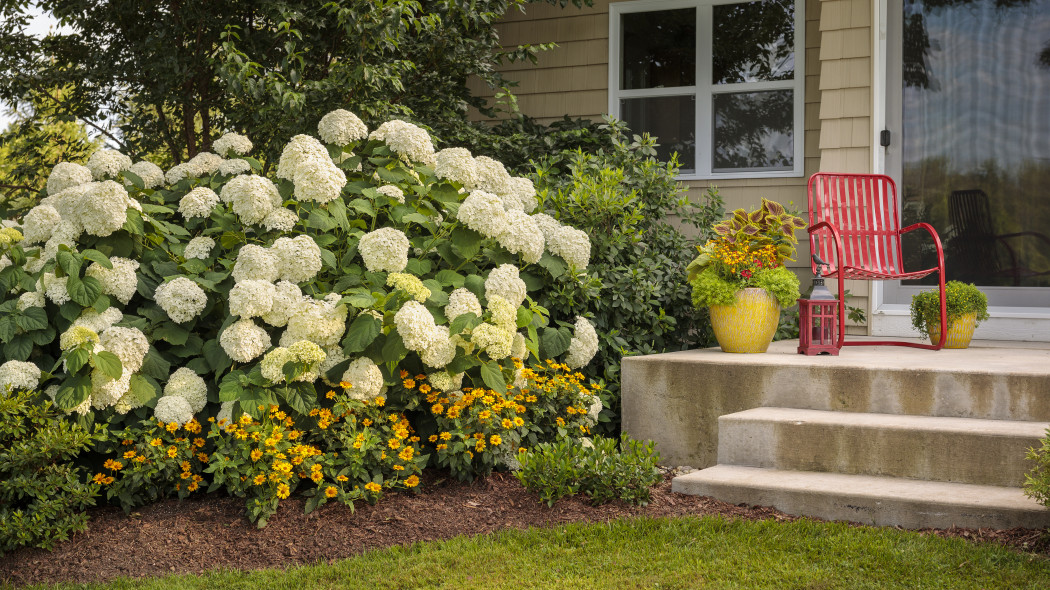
(960, 299)
(749, 251)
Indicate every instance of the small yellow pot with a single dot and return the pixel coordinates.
(749, 324)
(960, 331)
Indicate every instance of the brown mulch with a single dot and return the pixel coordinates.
(212, 532)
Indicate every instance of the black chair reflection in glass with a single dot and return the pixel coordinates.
(983, 254)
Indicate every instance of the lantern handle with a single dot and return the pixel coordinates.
(821, 265)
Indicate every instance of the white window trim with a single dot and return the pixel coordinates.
(705, 91)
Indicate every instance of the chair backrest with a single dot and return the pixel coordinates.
(969, 214)
(863, 207)
(974, 251)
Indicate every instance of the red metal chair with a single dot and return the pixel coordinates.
(855, 228)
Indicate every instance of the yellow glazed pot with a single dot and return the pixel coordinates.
(960, 331)
(749, 324)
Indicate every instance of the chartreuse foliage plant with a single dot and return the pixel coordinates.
(1037, 480)
(959, 298)
(43, 495)
(749, 250)
(156, 301)
(603, 468)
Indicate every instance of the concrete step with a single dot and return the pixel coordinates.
(874, 500)
(962, 450)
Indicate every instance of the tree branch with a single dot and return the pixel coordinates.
(17, 187)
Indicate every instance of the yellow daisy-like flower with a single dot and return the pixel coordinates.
(424, 388)
(113, 465)
(130, 455)
(331, 492)
(394, 443)
(399, 467)
(409, 383)
(185, 466)
(407, 454)
(508, 423)
(155, 442)
(192, 487)
(373, 487)
(172, 451)
(342, 478)
(283, 491)
(379, 401)
(441, 447)
(437, 409)
(518, 421)
(412, 481)
(202, 457)
(433, 438)
(560, 421)
(495, 440)
(316, 476)
(330, 394)
(256, 454)
(172, 426)
(366, 422)
(484, 414)
(446, 436)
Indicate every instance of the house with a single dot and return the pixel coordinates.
(950, 98)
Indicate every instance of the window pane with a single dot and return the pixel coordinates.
(671, 120)
(754, 131)
(659, 49)
(753, 42)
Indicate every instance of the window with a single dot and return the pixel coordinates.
(715, 81)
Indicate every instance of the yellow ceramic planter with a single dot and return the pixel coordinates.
(749, 324)
(960, 331)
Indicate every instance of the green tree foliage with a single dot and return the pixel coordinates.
(643, 232)
(170, 77)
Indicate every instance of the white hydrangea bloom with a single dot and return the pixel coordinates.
(583, 346)
(253, 197)
(365, 379)
(107, 163)
(385, 249)
(522, 236)
(179, 172)
(204, 163)
(198, 202)
(322, 322)
(311, 355)
(392, 192)
(98, 322)
(121, 281)
(518, 347)
(103, 209)
(255, 263)
(547, 224)
(457, 165)
(181, 298)
(409, 284)
(298, 258)
(251, 298)
(126, 403)
(280, 219)
(39, 223)
(65, 175)
(409, 141)
(416, 326)
(272, 365)
(187, 384)
(173, 408)
(151, 174)
(442, 381)
(318, 180)
(234, 167)
(594, 410)
(225, 415)
(64, 234)
(287, 301)
(19, 375)
(301, 148)
(483, 212)
(341, 127)
(200, 248)
(462, 301)
(77, 335)
(55, 288)
(495, 340)
(333, 356)
(106, 391)
(129, 344)
(441, 352)
(30, 299)
(65, 201)
(504, 314)
(232, 142)
(525, 192)
(504, 281)
(573, 245)
(492, 175)
(243, 341)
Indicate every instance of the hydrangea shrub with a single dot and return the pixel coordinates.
(213, 290)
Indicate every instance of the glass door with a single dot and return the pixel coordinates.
(968, 105)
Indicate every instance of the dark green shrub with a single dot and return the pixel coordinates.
(643, 232)
(42, 493)
(603, 469)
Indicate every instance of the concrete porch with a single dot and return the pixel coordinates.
(880, 435)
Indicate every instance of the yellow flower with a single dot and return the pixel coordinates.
(394, 443)
(518, 421)
(560, 421)
(479, 446)
(130, 455)
(407, 453)
(484, 415)
(442, 447)
(433, 438)
(198, 442)
(412, 481)
(259, 479)
(446, 436)
(185, 466)
(508, 423)
(172, 451)
(283, 491)
(379, 401)
(172, 426)
(342, 478)
(330, 394)
(155, 442)
(331, 492)
(437, 409)
(373, 487)
(366, 422)
(256, 454)
(192, 487)
(424, 388)
(316, 476)
(399, 467)
(408, 383)
(113, 465)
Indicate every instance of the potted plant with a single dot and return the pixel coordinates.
(967, 307)
(740, 275)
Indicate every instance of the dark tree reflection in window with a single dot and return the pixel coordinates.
(659, 49)
(754, 131)
(753, 42)
(671, 120)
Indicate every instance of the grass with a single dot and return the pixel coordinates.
(708, 552)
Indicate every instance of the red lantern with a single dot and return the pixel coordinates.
(818, 331)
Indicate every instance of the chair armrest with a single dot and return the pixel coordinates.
(1022, 234)
(835, 239)
(936, 241)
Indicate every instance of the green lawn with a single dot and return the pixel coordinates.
(661, 553)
